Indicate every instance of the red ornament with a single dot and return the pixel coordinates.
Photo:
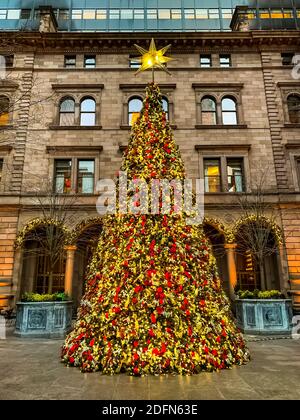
(92, 342)
(153, 319)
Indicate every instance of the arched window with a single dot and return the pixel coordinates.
(134, 108)
(209, 111)
(67, 112)
(293, 102)
(165, 105)
(4, 110)
(88, 112)
(229, 111)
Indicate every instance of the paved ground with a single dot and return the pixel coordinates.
(30, 369)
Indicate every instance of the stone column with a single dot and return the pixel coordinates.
(232, 273)
(70, 249)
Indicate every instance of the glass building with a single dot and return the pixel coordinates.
(147, 15)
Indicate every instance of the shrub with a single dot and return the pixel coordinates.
(36, 297)
(258, 294)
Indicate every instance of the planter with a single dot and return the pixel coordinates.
(43, 319)
(264, 316)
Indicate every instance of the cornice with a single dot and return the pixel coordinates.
(55, 149)
(223, 146)
(142, 86)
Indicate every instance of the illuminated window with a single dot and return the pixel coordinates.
(165, 106)
(76, 14)
(235, 175)
(70, 61)
(114, 14)
(85, 176)
(88, 112)
(89, 14)
(164, 14)
(225, 60)
(293, 102)
(189, 14)
(138, 14)
(212, 175)
(226, 13)
(13, 14)
(176, 14)
(126, 14)
(4, 111)
(62, 176)
(101, 14)
(288, 14)
(67, 112)
(89, 61)
(201, 14)
(152, 14)
(213, 14)
(276, 14)
(134, 108)
(229, 111)
(205, 60)
(264, 14)
(251, 14)
(209, 111)
(298, 13)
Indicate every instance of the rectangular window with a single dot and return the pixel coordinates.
(101, 14)
(63, 14)
(9, 61)
(176, 14)
(201, 14)
(164, 14)
(189, 13)
(70, 61)
(205, 60)
(235, 175)
(25, 14)
(132, 63)
(212, 175)
(77, 14)
(251, 14)
(226, 13)
(89, 14)
(1, 169)
(126, 14)
(3, 14)
(225, 60)
(62, 176)
(264, 14)
(114, 14)
(288, 14)
(13, 14)
(85, 176)
(89, 61)
(138, 14)
(287, 59)
(213, 14)
(276, 14)
(152, 14)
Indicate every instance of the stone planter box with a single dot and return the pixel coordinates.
(264, 316)
(43, 319)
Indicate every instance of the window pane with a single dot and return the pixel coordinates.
(228, 104)
(213, 13)
(205, 60)
(229, 118)
(225, 60)
(209, 115)
(226, 13)
(189, 14)
(4, 111)
(164, 14)
(294, 109)
(88, 105)
(165, 106)
(114, 14)
(135, 105)
(89, 14)
(3, 14)
(276, 14)
(235, 175)
(208, 104)
(68, 105)
(100, 14)
(287, 59)
(126, 14)
(90, 61)
(77, 14)
(87, 119)
(70, 61)
(25, 14)
(85, 176)
(288, 14)
(63, 176)
(13, 14)
(151, 14)
(264, 14)
(63, 14)
(212, 175)
(175, 14)
(201, 14)
(138, 14)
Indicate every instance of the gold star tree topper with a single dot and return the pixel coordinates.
(152, 59)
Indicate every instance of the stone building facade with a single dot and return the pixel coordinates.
(231, 100)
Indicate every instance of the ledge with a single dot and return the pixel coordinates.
(6, 127)
(77, 86)
(53, 149)
(75, 127)
(6, 148)
(292, 125)
(128, 127)
(217, 85)
(131, 86)
(221, 127)
(292, 145)
(223, 146)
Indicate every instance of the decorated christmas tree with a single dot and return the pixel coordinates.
(153, 302)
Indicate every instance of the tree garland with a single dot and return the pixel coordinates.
(277, 232)
(82, 226)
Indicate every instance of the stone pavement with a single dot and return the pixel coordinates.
(30, 369)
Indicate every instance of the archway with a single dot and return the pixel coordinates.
(217, 241)
(87, 235)
(257, 254)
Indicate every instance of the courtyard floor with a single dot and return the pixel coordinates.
(30, 369)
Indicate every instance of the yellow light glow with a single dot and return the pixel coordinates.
(153, 58)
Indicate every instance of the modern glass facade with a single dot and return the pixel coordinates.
(144, 15)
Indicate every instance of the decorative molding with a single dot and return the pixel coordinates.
(221, 126)
(6, 148)
(214, 86)
(75, 87)
(200, 147)
(142, 86)
(53, 149)
(75, 127)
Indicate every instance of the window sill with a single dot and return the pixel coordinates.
(6, 127)
(292, 125)
(128, 127)
(220, 127)
(75, 127)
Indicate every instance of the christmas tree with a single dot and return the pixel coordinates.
(153, 302)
